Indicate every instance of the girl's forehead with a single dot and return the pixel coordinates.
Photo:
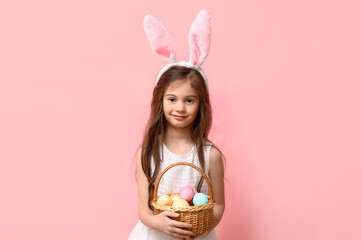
(181, 87)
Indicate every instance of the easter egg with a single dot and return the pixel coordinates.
(200, 199)
(186, 193)
(180, 203)
(175, 196)
(164, 200)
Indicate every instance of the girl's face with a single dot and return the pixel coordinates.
(180, 104)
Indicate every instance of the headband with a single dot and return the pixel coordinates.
(199, 39)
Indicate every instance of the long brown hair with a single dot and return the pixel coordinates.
(156, 126)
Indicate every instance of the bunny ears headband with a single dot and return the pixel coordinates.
(199, 39)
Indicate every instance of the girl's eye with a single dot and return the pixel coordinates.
(171, 99)
(189, 100)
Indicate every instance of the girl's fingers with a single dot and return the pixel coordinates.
(170, 214)
(186, 233)
(175, 223)
(183, 232)
(180, 236)
(182, 225)
(180, 228)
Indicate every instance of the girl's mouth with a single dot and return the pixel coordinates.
(179, 117)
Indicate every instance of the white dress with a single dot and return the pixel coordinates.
(171, 182)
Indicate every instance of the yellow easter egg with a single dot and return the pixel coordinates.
(164, 200)
(175, 196)
(180, 203)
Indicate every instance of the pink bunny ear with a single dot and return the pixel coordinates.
(159, 39)
(199, 38)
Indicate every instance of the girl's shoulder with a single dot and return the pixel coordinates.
(216, 167)
(215, 154)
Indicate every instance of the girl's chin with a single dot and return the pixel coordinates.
(178, 124)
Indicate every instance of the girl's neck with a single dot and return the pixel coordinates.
(175, 136)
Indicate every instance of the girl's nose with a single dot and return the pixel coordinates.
(180, 107)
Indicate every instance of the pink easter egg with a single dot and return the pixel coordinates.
(186, 193)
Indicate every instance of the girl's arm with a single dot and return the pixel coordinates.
(161, 222)
(216, 175)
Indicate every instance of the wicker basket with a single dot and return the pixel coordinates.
(199, 216)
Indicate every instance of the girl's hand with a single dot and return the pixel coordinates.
(173, 228)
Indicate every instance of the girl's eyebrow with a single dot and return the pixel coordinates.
(172, 95)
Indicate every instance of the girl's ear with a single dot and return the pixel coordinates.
(159, 39)
(199, 38)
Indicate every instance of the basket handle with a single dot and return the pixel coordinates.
(182, 163)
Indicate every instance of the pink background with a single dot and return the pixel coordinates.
(76, 82)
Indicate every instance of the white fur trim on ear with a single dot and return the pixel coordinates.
(182, 64)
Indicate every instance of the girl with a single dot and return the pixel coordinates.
(177, 130)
